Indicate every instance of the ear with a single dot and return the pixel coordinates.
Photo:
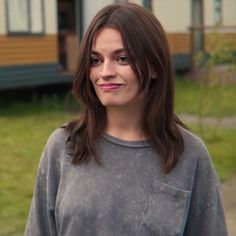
(154, 75)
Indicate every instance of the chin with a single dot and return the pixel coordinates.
(110, 104)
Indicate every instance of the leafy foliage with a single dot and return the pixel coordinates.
(217, 68)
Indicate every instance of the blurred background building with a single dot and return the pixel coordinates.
(39, 38)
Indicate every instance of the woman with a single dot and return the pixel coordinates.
(127, 165)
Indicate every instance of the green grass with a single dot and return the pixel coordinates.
(216, 101)
(26, 126)
(222, 150)
(24, 131)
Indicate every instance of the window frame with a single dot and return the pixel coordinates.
(148, 4)
(218, 17)
(29, 31)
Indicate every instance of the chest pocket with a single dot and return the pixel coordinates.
(166, 210)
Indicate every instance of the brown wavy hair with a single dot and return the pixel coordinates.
(146, 43)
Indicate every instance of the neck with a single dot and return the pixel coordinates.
(125, 123)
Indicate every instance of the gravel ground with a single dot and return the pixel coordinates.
(226, 122)
(229, 198)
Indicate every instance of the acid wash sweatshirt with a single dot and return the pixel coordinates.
(128, 195)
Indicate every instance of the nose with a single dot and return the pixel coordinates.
(107, 70)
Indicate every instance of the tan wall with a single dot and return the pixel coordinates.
(2, 17)
(50, 12)
(28, 50)
(90, 8)
(174, 15)
(208, 7)
(140, 2)
(229, 12)
(179, 42)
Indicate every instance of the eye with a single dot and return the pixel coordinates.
(123, 59)
(95, 61)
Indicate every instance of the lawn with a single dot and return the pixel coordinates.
(23, 134)
(26, 126)
(217, 101)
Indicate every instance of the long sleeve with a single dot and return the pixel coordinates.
(206, 214)
(41, 220)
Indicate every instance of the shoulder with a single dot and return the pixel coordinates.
(193, 144)
(195, 150)
(58, 138)
(54, 151)
(195, 155)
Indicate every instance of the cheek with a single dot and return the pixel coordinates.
(134, 83)
(93, 75)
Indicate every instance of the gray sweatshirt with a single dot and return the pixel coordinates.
(129, 195)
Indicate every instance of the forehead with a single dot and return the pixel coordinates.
(107, 37)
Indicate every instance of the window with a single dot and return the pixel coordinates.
(147, 4)
(25, 16)
(217, 12)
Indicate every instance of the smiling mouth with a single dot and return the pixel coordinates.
(110, 86)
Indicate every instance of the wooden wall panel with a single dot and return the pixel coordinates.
(213, 40)
(179, 43)
(18, 50)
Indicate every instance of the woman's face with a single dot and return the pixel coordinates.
(114, 81)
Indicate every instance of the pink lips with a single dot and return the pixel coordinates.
(109, 86)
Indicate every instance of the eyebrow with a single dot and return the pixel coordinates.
(117, 51)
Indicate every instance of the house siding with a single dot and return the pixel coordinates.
(229, 13)
(175, 16)
(2, 18)
(212, 38)
(30, 60)
(17, 50)
(179, 42)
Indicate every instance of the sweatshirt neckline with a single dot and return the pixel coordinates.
(121, 142)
